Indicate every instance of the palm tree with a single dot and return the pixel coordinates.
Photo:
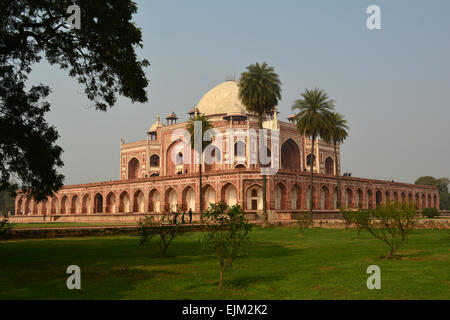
(314, 109)
(259, 91)
(336, 133)
(206, 125)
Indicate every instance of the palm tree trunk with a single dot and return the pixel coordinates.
(200, 185)
(264, 181)
(311, 188)
(338, 177)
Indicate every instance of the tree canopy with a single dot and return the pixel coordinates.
(260, 89)
(100, 55)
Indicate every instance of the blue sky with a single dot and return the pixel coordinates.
(393, 85)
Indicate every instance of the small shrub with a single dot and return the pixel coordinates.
(165, 229)
(5, 226)
(225, 230)
(303, 221)
(348, 216)
(390, 223)
(430, 213)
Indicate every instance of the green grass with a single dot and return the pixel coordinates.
(280, 264)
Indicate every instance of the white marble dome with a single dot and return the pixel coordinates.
(222, 99)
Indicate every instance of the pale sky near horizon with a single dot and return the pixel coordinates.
(393, 85)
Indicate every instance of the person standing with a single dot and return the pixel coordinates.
(175, 216)
(182, 217)
(190, 215)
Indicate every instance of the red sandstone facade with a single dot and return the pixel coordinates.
(155, 176)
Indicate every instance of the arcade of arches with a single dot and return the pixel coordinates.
(288, 194)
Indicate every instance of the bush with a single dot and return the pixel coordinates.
(303, 221)
(225, 230)
(390, 223)
(348, 216)
(5, 226)
(166, 229)
(430, 212)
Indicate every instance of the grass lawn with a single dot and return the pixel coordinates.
(280, 264)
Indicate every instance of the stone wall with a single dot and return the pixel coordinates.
(102, 218)
(340, 224)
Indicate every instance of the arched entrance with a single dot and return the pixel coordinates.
(171, 200)
(98, 203)
(378, 198)
(290, 156)
(188, 198)
(154, 162)
(329, 166)
(133, 168)
(209, 196)
(324, 198)
(348, 198)
(254, 198)
(154, 201)
(370, 199)
(86, 204)
(64, 205)
(229, 194)
(280, 196)
(54, 206)
(124, 202)
(308, 160)
(296, 197)
(212, 158)
(138, 201)
(387, 196)
(75, 207)
(359, 198)
(111, 203)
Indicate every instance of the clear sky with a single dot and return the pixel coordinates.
(393, 85)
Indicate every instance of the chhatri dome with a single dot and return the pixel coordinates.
(222, 99)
